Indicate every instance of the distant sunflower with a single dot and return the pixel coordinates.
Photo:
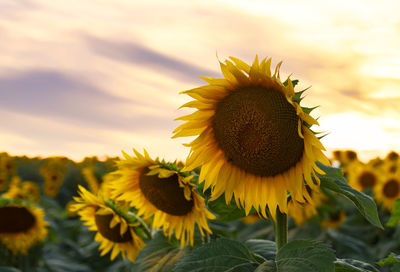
(31, 191)
(3, 181)
(363, 176)
(392, 156)
(301, 212)
(350, 156)
(50, 189)
(334, 220)
(21, 227)
(114, 232)
(155, 190)
(387, 191)
(255, 140)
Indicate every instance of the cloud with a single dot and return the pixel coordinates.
(54, 95)
(143, 56)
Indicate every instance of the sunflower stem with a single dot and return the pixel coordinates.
(281, 229)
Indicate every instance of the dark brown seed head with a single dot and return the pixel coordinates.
(112, 234)
(257, 129)
(16, 219)
(165, 194)
(391, 188)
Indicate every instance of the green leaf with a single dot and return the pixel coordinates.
(265, 248)
(390, 260)
(218, 256)
(395, 217)
(8, 269)
(225, 212)
(350, 265)
(305, 255)
(335, 181)
(159, 255)
(267, 266)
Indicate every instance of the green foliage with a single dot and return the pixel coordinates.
(334, 180)
(394, 219)
(225, 212)
(349, 265)
(392, 260)
(159, 255)
(218, 256)
(305, 255)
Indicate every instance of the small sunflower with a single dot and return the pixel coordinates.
(255, 141)
(21, 226)
(363, 176)
(50, 189)
(156, 190)
(392, 156)
(3, 181)
(114, 232)
(387, 191)
(334, 220)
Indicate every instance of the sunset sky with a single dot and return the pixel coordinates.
(80, 77)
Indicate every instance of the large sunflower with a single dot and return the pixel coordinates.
(255, 140)
(114, 232)
(21, 226)
(156, 190)
(387, 191)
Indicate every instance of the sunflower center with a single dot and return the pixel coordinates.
(351, 155)
(165, 194)
(257, 129)
(16, 219)
(367, 180)
(393, 156)
(391, 189)
(334, 217)
(112, 234)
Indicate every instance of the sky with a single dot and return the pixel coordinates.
(94, 77)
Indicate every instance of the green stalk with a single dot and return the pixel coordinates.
(281, 229)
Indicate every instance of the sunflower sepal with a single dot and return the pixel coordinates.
(140, 226)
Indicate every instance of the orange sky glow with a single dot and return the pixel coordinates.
(82, 78)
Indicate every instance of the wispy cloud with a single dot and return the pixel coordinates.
(53, 95)
(145, 57)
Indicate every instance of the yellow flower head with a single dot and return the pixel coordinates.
(363, 176)
(21, 227)
(334, 220)
(254, 139)
(163, 193)
(114, 232)
(387, 191)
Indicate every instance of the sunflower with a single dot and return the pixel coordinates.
(114, 232)
(334, 220)
(392, 156)
(50, 189)
(21, 226)
(363, 176)
(301, 212)
(387, 191)
(255, 140)
(3, 181)
(155, 189)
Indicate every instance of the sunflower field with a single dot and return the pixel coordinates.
(257, 192)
